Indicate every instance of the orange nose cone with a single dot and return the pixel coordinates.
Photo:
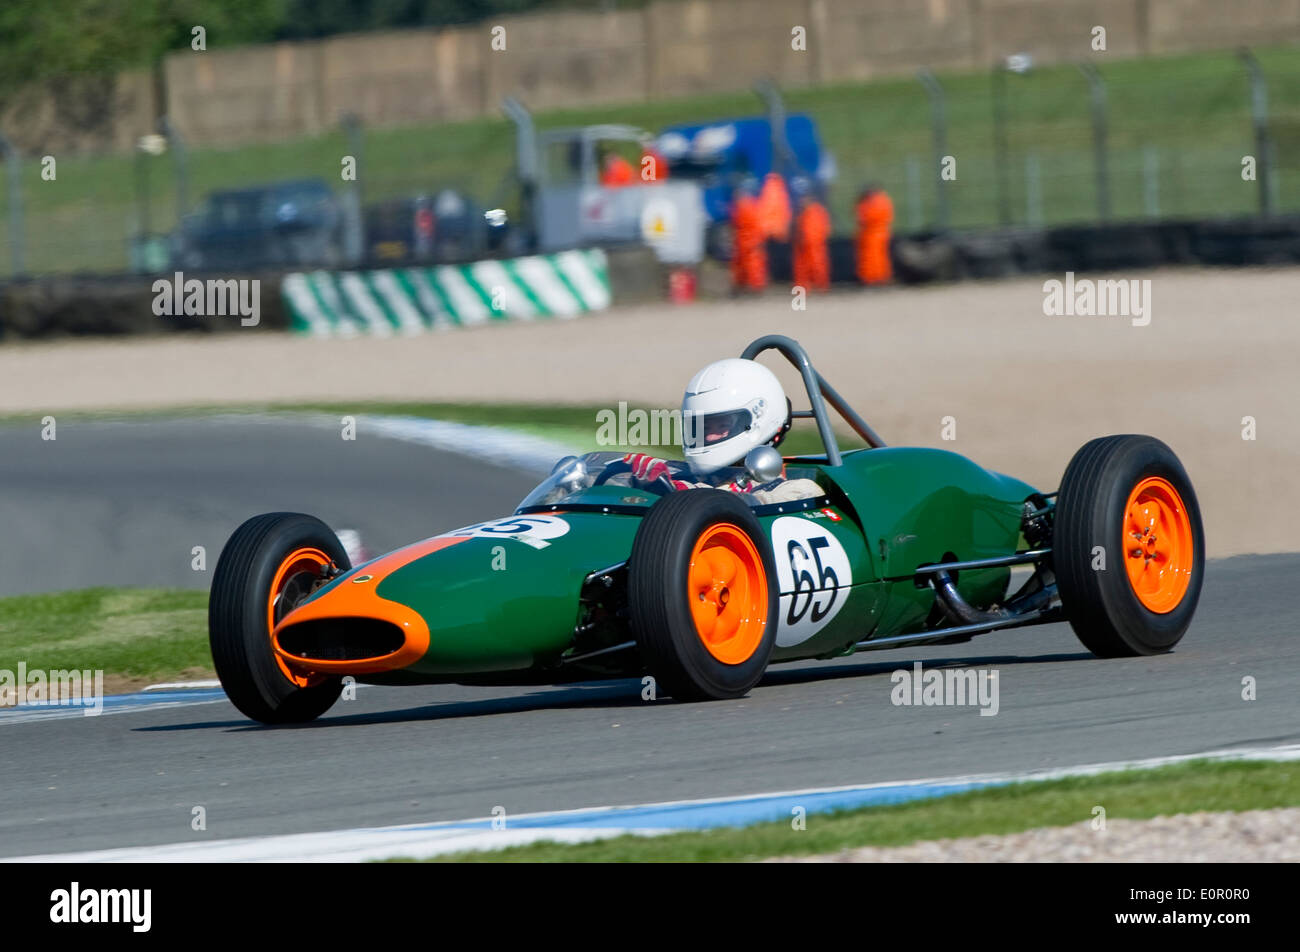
(351, 630)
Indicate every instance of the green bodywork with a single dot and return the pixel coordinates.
(510, 607)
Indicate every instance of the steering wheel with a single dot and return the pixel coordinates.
(612, 469)
(660, 486)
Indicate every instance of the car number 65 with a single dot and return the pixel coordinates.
(814, 574)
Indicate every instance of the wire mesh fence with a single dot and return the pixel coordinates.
(1168, 138)
(1176, 137)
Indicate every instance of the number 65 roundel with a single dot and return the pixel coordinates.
(814, 574)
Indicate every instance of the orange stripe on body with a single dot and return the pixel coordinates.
(354, 599)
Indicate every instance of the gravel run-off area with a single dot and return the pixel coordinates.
(1263, 836)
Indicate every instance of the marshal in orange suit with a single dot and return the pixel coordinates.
(875, 214)
(812, 231)
(749, 242)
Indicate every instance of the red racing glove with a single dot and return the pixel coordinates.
(647, 469)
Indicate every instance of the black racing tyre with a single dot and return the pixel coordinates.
(702, 595)
(270, 564)
(1128, 547)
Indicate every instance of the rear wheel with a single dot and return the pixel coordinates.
(702, 595)
(269, 566)
(1128, 546)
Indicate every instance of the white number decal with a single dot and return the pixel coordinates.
(814, 573)
(533, 530)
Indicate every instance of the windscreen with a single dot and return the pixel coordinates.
(574, 475)
(570, 475)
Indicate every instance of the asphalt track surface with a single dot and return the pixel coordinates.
(407, 755)
(125, 503)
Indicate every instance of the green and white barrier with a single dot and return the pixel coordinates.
(413, 300)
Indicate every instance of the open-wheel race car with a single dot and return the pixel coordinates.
(597, 575)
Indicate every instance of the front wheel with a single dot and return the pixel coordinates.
(1128, 546)
(269, 566)
(702, 594)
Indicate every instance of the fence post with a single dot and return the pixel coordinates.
(774, 105)
(1033, 190)
(1259, 118)
(1151, 181)
(144, 225)
(13, 169)
(939, 134)
(1000, 142)
(354, 233)
(1097, 97)
(180, 159)
(527, 166)
(912, 176)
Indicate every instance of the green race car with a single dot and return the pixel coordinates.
(598, 575)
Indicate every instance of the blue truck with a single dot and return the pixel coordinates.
(720, 155)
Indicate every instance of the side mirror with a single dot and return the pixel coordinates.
(764, 464)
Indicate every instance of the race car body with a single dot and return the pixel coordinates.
(598, 574)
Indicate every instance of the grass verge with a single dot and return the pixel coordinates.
(575, 425)
(136, 636)
(1137, 794)
(578, 425)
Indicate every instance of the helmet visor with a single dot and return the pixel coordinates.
(702, 430)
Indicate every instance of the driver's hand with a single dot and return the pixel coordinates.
(645, 467)
(648, 469)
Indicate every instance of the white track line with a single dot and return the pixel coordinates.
(571, 826)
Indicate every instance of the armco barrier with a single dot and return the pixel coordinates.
(65, 306)
(1111, 247)
(568, 283)
(1007, 252)
(413, 300)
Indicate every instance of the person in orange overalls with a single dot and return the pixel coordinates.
(749, 250)
(616, 171)
(774, 207)
(875, 214)
(812, 230)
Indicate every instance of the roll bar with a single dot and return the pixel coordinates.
(819, 394)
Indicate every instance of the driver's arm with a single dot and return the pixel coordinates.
(789, 490)
(648, 469)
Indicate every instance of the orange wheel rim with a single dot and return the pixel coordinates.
(1159, 549)
(727, 588)
(296, 564)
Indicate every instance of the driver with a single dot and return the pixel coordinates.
(730, 407)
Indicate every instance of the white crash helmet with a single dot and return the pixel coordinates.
(730, 407)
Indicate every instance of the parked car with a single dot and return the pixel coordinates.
(445, 226)
(282, 224)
